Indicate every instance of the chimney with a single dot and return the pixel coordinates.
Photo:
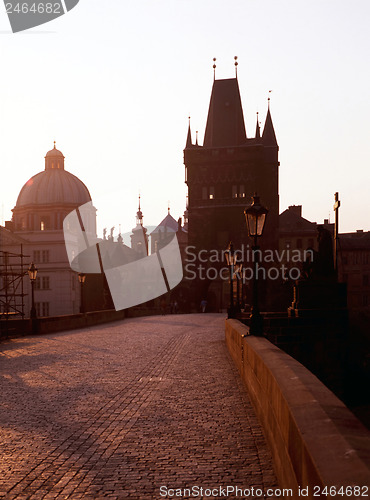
(296, 209)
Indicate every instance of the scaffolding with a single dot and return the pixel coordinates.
(12, 272)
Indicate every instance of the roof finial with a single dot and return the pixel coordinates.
(168, 207)
(196, 137)
(214, 68)
(139, 201)
(54, 145)
(268, 100)
(236, 66)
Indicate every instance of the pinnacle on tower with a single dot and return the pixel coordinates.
(258, 132)
(188, 140)
(268, 135)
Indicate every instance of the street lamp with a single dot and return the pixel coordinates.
(231, 261)
(81, 279)
(255, 216)
(32, 273)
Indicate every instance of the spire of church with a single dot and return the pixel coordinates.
(268, 135)
(189, 143)
(225, 123)
(139, 215)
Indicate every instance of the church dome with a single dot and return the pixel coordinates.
(54, 185)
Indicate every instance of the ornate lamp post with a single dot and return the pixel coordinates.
(32, 273)
(255, 216)
(231, 261)
(81, 279)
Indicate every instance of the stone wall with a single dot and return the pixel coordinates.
(315, 440)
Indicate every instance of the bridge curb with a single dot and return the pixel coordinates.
(314, 438)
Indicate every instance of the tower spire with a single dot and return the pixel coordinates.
(188, 139)
(214, 69)
(268, 135)
(139, 214)
(236, 66)
(258, 132)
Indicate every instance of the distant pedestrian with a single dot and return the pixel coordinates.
(203, 305)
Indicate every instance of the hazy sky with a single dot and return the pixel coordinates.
(113, 82)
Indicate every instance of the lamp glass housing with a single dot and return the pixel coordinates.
(230, 255)
(255, 216)
(81, 277)
(32, 272)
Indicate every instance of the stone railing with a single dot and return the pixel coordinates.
(316, 442)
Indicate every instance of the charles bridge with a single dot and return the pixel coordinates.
(170, 406)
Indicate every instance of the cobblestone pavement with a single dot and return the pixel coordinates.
(117, 411)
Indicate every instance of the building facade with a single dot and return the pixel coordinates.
(36, 229)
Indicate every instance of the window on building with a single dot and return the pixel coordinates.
(36, 256)
(345, 260)
(365, 300)
(42, 225)
(365, 280)
(311, 243)
(45, 256)
(204, 193)
(211, 192)
(45, 283)
(234, 192)
(42, 308)
(299, 243)
(242, 191)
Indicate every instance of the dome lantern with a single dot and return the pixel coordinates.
(54, 159)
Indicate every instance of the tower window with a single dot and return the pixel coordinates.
(45, 256)
(235, 191)
(242, 191)
(211, 192)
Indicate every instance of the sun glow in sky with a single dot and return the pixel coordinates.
(113, 83)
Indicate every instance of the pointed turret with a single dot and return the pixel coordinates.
(258, 132)
(189, 143)
(268, 136)
(225, 123)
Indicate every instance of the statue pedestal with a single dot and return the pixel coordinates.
(316, 298)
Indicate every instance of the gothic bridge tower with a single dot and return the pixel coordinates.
(227, 170)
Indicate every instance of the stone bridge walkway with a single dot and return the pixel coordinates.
(128, 410)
